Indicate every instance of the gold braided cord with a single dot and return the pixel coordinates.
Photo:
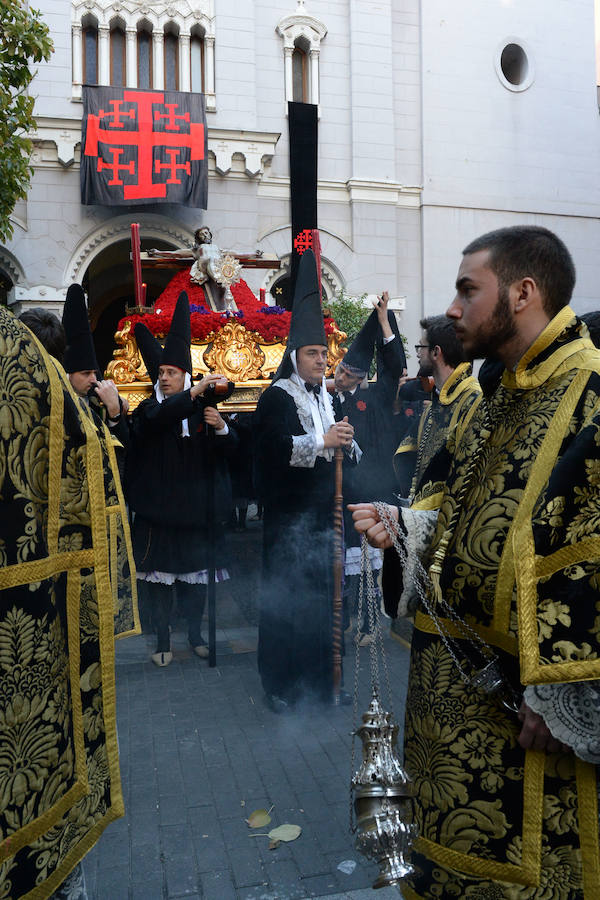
(589, 840)
(40, 569)
(506, 642)
(119, 509)
(455, 384)
(54, 451)
(587, 550)
(73, 619)
(95, 474)
(521, 538)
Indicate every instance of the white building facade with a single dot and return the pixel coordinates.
(437, 122)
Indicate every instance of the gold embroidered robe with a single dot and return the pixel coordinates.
(67, 587)
(522, 567)
(438, 421)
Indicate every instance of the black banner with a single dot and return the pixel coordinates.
(143, 147)
(302, 119)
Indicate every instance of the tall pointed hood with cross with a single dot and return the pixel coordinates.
(306, 326)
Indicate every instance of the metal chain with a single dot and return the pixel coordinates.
(376, 651)
(422, 583)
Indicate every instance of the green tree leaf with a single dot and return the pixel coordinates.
(24, 38)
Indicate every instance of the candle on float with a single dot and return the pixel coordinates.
(262, 293)
(137, 262)
(143, 293)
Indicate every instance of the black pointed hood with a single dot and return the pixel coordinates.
(359, 357)
(80, 353)
(150, 349)
(176, 351)
(307, 325)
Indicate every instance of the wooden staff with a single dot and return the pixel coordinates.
(338, 560)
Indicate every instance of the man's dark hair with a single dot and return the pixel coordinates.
(523, 251)
(592, 320)
(440, 332)
(48, 330)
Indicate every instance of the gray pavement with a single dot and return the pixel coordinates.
(200, 751)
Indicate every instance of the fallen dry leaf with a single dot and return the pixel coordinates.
(259, 818)
(273, 845)
(285, 833)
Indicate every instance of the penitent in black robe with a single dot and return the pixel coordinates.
(168, 479)
(296, 488)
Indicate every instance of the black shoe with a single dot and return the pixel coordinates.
(277, 704)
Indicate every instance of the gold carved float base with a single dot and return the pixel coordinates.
(244, 357)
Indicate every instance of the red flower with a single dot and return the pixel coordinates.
(360, 404)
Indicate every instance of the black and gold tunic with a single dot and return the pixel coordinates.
(66, 590)
(520, 518)
(448, 410)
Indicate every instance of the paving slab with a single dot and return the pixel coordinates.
(200, 751)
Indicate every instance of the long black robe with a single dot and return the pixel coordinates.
(295, 627)
(168, 479)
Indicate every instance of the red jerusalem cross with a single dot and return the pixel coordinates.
(173, 166)
(115, 167)
(144, 139)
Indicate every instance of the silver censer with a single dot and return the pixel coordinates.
(383, 798)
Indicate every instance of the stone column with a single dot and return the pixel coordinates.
(209, 63)
(77, 56)
(103, 54)
(131, 69)
(288, 52)
(184, 62)
(158, 57)
(314, 76)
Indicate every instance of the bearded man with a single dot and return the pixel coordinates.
(503, 706)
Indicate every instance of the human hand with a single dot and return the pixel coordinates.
(535, 734)
(366, 521)
(339, 435)
(381, 305)
(213, 417)
(212, 378)
(108, 395)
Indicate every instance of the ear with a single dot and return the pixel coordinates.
(525, 292)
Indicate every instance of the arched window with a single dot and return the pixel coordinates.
(144, 59)
(197, 63)
(90, 51)
(117, 56)
(302, 35)
(300, 91)
(171, 61)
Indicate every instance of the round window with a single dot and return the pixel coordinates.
(514, 66)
